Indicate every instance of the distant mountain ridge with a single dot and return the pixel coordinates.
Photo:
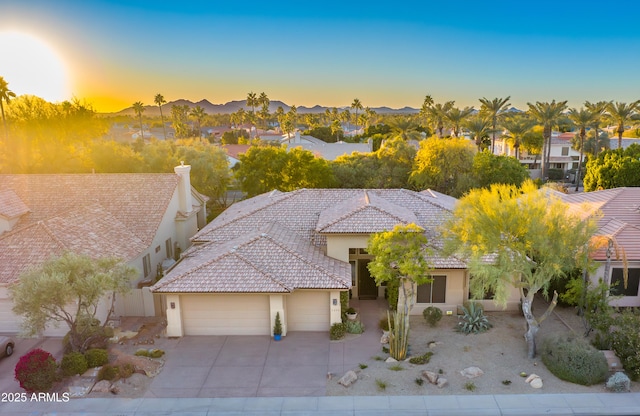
(233, 106)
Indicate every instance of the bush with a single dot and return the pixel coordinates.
(618, 383)
(36, 371)
(337, 331)
(432, 315)
(354, 327)
(574, 360)
(422, 359)
(89, 329)
(473, 319)
(126, 370)
(96, 357)
(626, 342)
(73, 363)
(108, 372)
(152, 353)
(384, 323)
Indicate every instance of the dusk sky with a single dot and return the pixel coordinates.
(113, 53)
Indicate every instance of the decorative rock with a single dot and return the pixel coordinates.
(619, 383)
(531, 378)
(472, 372)
(442, 382)
(536, 383)
(114, 389)
(102, 386)
(390, 360)
(384, 339)
(348, 378)
(430, 376)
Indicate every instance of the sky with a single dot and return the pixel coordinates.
(114, 53)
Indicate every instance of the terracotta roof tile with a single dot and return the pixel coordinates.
(11, 205)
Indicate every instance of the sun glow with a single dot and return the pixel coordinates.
(30, 66)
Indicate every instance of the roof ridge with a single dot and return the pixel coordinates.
(265, 273)
(52, 235)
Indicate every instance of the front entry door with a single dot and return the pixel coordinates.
(367, 288)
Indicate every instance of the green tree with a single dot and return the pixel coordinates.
(159, 100)
(517, 126)
(399, 258)
(138, 109)
(179, 118)
(489, 169)
(582, 119)
(109, 156)
(598, 110)
(198, 113)
(68, 289)
(5, 96)
(253, 102)
(613, 169)
(404, 128)
(456, 117)
(479, 128)
(548, 115)
(356, 105)
(517, 237)
(620, 114)
(263, 101)
(444, 165)
(436, 114)
(494, 110)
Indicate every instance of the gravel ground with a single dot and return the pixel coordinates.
(500, 352)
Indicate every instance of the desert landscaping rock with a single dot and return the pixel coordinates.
(390, 360)
(536, 383)
(430, 376)
(348, 378)
(472, 372)
(384, 339)
(102, 386)
(442, 382)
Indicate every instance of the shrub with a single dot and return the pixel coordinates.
(152, 353)
(473, 319)
(96, 357)
(73, 363)
(470, 385)
(419, 381)
(99, 336)
(421, 359)
(354, 327)
(108, 372)
(337, 331)
(36, 371)
(382, 385)
(396, 367)
(126, 370)
(626, 342)
(432, 315)
(574, 360)
(384, 323)
(618, 383)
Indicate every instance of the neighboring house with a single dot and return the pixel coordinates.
(620, 221)
(145, 219)
(293, 253)
(328, 151)
(233, 152)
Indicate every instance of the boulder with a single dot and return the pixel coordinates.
(390, 360)
(442, 382)
(102, 386)
(430, 376)
(472, 372)
(348, 378)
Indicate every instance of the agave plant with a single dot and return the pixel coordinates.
(473, 319)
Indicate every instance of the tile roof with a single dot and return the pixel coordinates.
(11, 206)
(620, 210)
(269, 260)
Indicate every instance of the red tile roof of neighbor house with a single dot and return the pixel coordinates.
(11, 206)
(620, 210)
(94, 214)
(275, 242)
(234, 150)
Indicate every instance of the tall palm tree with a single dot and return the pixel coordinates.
(345, 117)
(252, 101)
(199, 114)
(548, 115)
(5, 95)
(356, 105)
(455, 117)
(620, 114)
(598, 109)
(159, 100)
(424, 110)
(437, 115)
(581, 119)
(494, 109)
(517, 127)
(404, 128)
(479, 128)
(264, 101)
(138, 108)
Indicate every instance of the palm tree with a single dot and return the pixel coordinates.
(404, 128)
(581, 119)
(598, 109)
(548, 115)
(479, 128)
(159, 100)
(456, 117)
(5, 95)
(356, 105)
(620, 114)
(345, 116)
(437, 115)
(424, 110)
(199, 114)
(138, 108)
(494, 109)
(264, 101)
(252, 101)
(517, 127)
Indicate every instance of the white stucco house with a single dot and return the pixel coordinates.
(294, 253)
(145, 219)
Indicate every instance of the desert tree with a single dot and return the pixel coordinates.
(494, 109)
(517, 237)
(138, 109)
(620, 114)
(5, 96)
(159, 100)
(400, 259)
(548, 115)
(69, 289)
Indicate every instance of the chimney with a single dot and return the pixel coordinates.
(184, 187)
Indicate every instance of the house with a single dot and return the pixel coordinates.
(233, 152)
(620, 223)
(146, 219)
(294, 253)
(324, 150)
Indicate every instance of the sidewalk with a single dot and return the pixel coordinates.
(549, 404)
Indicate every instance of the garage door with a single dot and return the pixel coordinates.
(9, 323)
(308, 311)
(225, 314)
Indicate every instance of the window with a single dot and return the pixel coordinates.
(433, 292)
(565, 151)
(169, 248)
(146, 265)
(617, 282)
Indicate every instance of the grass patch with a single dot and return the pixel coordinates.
(506, 382)
(378, 358)
(382, 385)
(363, 366)
(396, 367)
(470, 385)
(422, 359)
(419, 381)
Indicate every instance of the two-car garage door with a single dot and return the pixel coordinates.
(241, 314)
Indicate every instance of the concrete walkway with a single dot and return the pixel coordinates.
(549, 404)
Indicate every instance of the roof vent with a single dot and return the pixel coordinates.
(366, 198)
